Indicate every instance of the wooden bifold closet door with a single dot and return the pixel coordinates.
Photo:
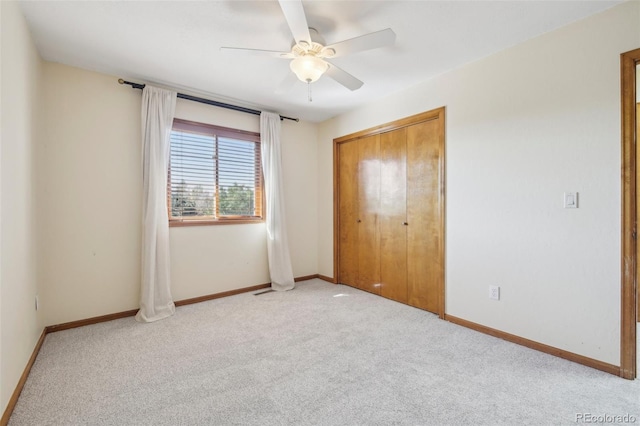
(389, 210)
(360, 198)
(425, 232)
(393, 216)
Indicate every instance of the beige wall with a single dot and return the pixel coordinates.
(20, 326)
(90, 169)
(523, 126)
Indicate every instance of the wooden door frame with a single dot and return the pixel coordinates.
(434, 114)
(628, 62)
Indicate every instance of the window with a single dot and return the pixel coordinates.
(215, 175)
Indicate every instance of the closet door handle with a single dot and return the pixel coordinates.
(405, 223)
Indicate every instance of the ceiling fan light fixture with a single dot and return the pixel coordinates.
(308, 68)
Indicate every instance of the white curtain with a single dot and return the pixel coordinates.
(158, 108)
(277, 243)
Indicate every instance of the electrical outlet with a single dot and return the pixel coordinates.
(494, 292)
(37, 302)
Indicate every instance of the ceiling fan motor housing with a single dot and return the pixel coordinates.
(316, 48)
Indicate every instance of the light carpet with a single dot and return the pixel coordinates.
(321, 354)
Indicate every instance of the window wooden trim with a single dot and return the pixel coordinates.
(195, 127)
(259, 200)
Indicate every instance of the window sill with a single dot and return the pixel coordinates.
(208, 222)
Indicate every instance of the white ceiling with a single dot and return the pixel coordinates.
(176, 43)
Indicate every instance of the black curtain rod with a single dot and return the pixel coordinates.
(208, 101)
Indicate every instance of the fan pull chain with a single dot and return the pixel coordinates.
(309, 90)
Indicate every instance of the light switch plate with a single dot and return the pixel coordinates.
(570, 200)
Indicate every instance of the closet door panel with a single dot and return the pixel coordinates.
(424, 238)
(393, 232)
(369, 205)
(348, 216)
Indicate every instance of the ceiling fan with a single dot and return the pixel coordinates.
(309, 55)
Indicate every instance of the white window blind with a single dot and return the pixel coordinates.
(214, 174)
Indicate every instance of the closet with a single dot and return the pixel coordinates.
(389, 210)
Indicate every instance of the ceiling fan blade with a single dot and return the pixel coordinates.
(374, 40)
(343, 77)
(297, 20)
(286, 84)
(257, 52)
